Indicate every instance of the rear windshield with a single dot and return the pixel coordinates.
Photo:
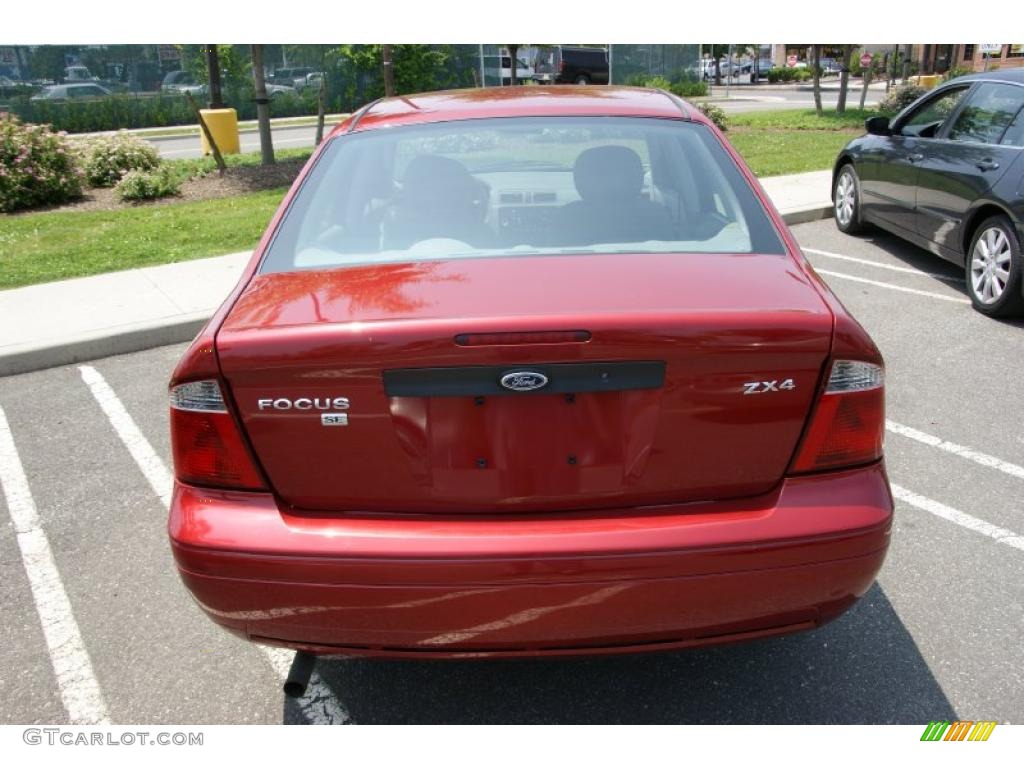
(520, 186)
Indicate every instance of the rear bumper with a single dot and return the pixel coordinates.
(640, 579)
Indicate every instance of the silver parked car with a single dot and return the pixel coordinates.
(72, 92)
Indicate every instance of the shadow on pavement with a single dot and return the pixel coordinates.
(926, 261)
(916, 257)
(862, 668)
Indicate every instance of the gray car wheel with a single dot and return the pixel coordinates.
(846, 201)
(993, 269)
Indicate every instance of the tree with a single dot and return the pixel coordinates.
(213, 72)
(816, 72)
(868, 71)
(513, 52)
(262, 106)
(47, 62)
(905, 75)
(389, 70)
(844, 79)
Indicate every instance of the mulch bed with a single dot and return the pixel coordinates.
(235, 181)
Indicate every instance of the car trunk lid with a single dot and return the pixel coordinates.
(651, 363)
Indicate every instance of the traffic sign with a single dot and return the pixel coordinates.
(990, 47)
(865, 60)
(791, 60)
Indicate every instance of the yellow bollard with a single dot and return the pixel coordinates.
(223, 125)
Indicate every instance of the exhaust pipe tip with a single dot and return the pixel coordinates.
(298, 676)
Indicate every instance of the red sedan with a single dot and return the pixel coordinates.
(527, 371)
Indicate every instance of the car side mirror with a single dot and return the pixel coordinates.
(878, 126)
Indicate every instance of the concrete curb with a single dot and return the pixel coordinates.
(130, 338)
(136, 337)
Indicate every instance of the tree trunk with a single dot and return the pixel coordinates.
(718, 72)
(906, 62)
(513, 53)
(844, 79)
(213, 68)
(320, 110)
(389, 71)
(867, 81)
(262, 106)
(816, 63)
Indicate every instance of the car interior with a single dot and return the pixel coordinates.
(469, 194)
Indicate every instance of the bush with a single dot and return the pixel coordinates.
(901, 97)
(687, 89)
(658, 82)
(788, 74)
(37, 166)
(116, 112)
(683, 88)
(958, 72)
(106, 159)
(715, 114)
(147, 185)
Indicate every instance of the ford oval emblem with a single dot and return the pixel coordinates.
(524, 381)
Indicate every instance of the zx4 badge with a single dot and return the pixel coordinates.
(760, 387)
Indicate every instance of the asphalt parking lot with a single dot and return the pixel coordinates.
(938, 637)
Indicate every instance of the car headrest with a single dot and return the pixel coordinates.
(608, 173)
(434, 178)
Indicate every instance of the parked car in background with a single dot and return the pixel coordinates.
(180, 81)
(830, 67)
(571, 64)
(759, 69)
(503, 66)
(274, 90)
(295, 77)
(72, 92)
(947, 174)
(388, 442)
(79, 74)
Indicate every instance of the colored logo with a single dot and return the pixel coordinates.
(960, 730)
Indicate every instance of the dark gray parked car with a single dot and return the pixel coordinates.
(947, 174)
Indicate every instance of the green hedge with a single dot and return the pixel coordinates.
(117, 112)
(788, 75)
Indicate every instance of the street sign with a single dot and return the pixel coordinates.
(791, 60)
(990, 47)
(865, 60)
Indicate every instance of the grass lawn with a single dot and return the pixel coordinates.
(793, 140)
(187, 168)
(55, 245)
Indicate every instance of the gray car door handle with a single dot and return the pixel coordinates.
(988, 164)
(916, 158)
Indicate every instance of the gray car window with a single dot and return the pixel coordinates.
(927, 118)
(1014, 136)
(988, 113)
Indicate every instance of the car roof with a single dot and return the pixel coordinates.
(520, 101)
(1015, 75)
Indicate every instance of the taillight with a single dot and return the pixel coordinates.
(848, 422)
(208, 448)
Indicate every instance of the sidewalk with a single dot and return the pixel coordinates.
(90, 317)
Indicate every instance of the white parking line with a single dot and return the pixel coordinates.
(318, 704)
(79, 690)
(891, 287)
(959, 450)
(882, 265)
(937, 508)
